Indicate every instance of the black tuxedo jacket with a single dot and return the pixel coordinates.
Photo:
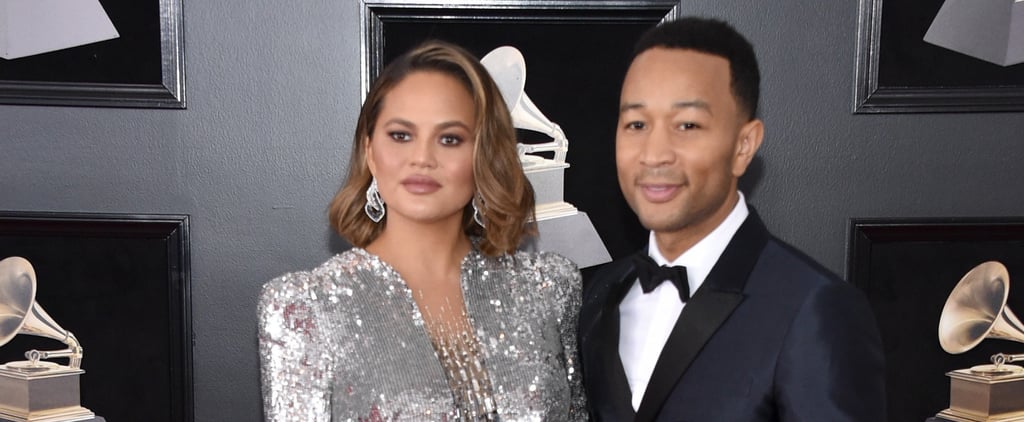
(769, 336)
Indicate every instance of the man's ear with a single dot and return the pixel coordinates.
(749, 141)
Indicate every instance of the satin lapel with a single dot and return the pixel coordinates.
(609, 389)
(703, 314)
(707, 310)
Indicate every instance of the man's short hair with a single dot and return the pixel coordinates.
(717, 38)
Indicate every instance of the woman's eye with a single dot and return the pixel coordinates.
(688, 126)
(450, 140)
(400, 136)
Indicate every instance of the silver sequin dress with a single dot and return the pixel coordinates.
(346, 342)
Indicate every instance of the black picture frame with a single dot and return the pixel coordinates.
(898, 72)
(576, 52)
(121, 284)
(143, 68)
(907, 268)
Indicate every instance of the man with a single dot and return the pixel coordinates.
(767, 334)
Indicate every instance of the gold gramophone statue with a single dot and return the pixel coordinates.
(974, 311)
(34, 389)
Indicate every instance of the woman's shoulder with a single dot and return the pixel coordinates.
(530, 259)
(548, 267)
(554, 277)
(335, 273)
(550, 262)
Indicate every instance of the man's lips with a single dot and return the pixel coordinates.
(659, 192)
(420, 184)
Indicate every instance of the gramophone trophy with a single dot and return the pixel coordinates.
(35, 390)
(976, 310)
(562, 227)
(987, 30)
(41, 26)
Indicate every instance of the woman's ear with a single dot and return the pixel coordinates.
(368, 156)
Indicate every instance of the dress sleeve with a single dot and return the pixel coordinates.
(567, 276)
(294, 373)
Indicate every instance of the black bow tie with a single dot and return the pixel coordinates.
(651, 275)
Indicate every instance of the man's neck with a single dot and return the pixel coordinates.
(675, 243)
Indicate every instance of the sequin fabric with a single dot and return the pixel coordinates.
(346, 342)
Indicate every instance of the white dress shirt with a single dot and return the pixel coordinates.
(646, 320)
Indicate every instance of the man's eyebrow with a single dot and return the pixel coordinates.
(701, 104)
(631, 106)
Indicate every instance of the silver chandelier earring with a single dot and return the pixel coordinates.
(374, 207)
(478, 213)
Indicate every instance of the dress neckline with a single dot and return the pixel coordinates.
(460, 356)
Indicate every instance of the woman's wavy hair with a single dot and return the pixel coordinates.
(507, 197)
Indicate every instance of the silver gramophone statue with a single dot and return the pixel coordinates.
(34, 389)
(562, 227)
(974, 311)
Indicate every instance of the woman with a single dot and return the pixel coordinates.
(433, 315)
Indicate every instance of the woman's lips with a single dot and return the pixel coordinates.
(420, 184)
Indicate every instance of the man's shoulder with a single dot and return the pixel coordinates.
(786, 257)
(609, 272)
(613, 268)
(598, 280)
(783, 271)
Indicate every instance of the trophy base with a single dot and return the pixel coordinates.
(573, 236)
(553, 210)
(985, 394)
(40, 393)
(954, 416)
(547, 178)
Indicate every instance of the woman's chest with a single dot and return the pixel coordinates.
(387, 361)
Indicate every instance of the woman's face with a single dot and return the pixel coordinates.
(421, 150)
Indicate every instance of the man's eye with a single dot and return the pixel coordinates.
(635, 125)
(400, 136)
(689, 126)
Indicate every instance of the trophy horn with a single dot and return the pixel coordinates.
(976, 309)
(507, 67)
(20, 314)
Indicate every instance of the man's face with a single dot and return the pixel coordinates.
(682, 141)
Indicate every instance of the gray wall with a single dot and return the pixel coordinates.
(273, 93)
